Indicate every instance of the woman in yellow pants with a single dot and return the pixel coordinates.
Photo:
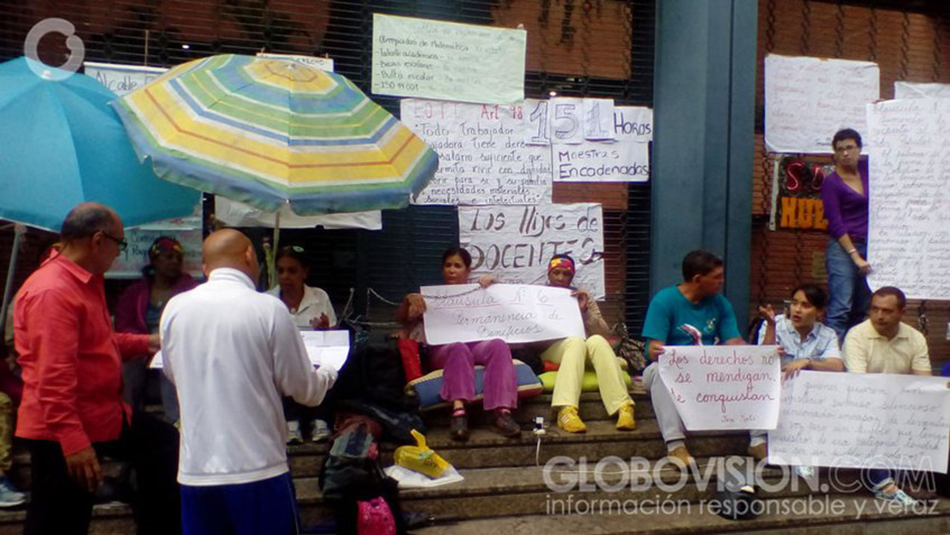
(572, 354)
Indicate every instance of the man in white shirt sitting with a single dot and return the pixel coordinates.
(232, 353)
(884, 344)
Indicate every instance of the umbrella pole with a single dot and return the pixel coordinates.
(18, 230)
(272, 269)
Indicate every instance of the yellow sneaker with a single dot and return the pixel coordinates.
(625, 419)
(568, 420)
(680, 456)
(759, 452)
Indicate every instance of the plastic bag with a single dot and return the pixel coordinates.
(420, 458)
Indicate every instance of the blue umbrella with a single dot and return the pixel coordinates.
(61, 144)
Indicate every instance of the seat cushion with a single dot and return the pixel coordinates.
(428, 387)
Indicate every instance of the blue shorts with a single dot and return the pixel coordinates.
(267, 507)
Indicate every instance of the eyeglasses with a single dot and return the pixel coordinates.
(121, 244)
(840, 150)
(297, 249)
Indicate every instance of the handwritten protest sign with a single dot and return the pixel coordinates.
(598, 119)
(122, 79)
(238, 214)
(909, 238)
(515, 242)
(723, 387)
(863, 420)
(625, 159)
(187, 230)
(807, 100)
(514, 313)
(483, 158)
(903, 90)
(324, 64)
(447, 61)
(622, 161)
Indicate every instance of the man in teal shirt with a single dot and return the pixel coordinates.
(690, 313)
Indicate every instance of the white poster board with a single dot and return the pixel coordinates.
(483, 157)
(515, 313)
(187, 230)
(122, 79)
(723, 387)
(515, 243)
(591, 161)
(238, 214)
(324, 64)
(327, 348)
(909, 212)
(447, 61)
(905, 90)
(856, 420)
(807, 100)
(622, 155)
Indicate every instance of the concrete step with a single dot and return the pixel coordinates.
(487, 449)
(830, 513)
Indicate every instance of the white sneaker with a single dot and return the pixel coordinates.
(321, 431)
(9, 495)
(900, 497)
(294, 436)
(805, 472)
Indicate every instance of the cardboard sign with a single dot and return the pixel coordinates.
(514, 313)
(807, 100)
(122, 79)
(909, 206)
(515, 243)
(483, 157)
(858, 420)
(723, 387)
(447, 61)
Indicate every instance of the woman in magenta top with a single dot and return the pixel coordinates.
(845, 197)
(139, 310)
(458, 360)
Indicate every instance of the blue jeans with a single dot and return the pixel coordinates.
(849, 295)
(878, 478)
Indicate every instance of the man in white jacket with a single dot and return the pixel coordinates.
(232, 353)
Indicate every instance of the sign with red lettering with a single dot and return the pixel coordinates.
(723, 387)
(798, 203)
(515, 243)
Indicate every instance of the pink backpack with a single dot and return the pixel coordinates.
(375, 518)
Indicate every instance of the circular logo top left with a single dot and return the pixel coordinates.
(77, 50)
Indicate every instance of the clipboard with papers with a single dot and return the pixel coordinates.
(325, 348)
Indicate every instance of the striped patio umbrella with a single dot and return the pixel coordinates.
(268, 131)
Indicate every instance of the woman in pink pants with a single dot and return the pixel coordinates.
(458, 360)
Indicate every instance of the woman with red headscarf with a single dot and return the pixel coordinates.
(139, 310)
(572, 354)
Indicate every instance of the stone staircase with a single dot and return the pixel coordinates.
(505, 490)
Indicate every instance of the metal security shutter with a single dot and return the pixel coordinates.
(910, 40)
(597, 48)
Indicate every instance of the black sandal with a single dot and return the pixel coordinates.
(458, 427)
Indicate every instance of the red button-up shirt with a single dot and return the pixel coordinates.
(71, 358)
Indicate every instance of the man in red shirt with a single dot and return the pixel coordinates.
(72, 404)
